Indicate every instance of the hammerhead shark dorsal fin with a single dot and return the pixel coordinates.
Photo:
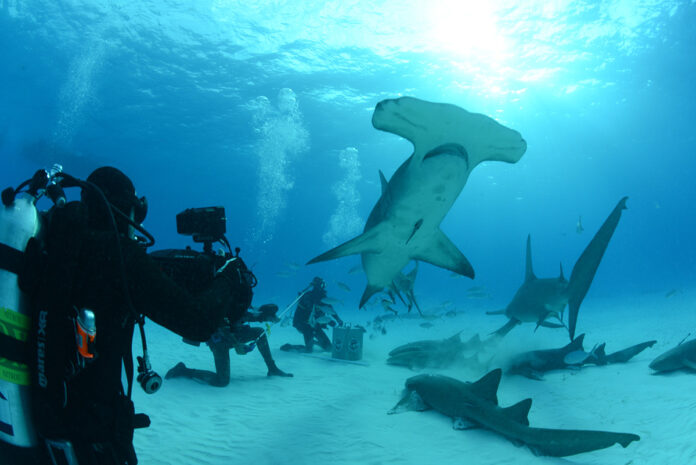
(528, 271)
(519, 412)
(585, 268)
(561, 277)
(487, 387)
(440, 251)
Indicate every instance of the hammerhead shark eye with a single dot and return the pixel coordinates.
(451, 149)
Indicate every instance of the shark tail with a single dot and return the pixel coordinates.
(586, 266)
(562, 443)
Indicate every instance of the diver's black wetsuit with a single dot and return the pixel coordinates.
(311, 302)
(83, 269)
(220, 343)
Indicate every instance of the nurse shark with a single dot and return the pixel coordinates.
(404, 224)
(475, 405)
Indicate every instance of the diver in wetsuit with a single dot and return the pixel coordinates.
(312, 316)
(89, 263)
(241, 337)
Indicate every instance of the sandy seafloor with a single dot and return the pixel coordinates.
(336, 413)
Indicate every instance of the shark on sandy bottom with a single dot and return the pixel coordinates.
(442, 353)
(679, 358)
(539, 299)
(534, 364)
(404, 225)
(473, 405)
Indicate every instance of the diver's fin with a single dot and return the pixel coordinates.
(586, 266)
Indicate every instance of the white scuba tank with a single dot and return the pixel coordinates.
(18, 223)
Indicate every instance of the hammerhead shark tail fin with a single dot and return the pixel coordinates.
(586, 266)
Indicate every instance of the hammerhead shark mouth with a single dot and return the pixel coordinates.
(404, 224)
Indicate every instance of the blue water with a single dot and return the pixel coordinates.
(264, 108)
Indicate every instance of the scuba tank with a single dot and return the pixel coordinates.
(19, 221)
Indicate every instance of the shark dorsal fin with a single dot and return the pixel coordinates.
(529, 272)
(576, 344)
(519, 411)
(383, 182)
(561, 277)
(487, 387)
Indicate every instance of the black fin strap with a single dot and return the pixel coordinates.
(11, 259)
(13, 349)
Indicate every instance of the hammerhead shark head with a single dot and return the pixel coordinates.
(404, 225)
(538, 299)
(681, 357)
(474, 405)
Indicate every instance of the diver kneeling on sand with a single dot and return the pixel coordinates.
(239, 336)
(311, 318)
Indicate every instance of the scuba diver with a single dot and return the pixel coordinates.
(89, 282)
(241, 337)
(311, 318)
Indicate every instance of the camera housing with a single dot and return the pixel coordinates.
(207, 224)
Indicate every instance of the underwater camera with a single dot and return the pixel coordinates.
(192, 269)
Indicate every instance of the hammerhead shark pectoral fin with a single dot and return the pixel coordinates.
(507, 327)
(548, 324)
(441, 252)
(367, 242)
(586, 266)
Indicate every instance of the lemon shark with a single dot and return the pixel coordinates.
(448, 142)
(539, 299)
(473, 405)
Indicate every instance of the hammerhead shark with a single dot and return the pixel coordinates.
(474, 405)
(538, 299)
(681, 357)
(404, 224)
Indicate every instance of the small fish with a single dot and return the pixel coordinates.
(451, 314)
(578, 228)
(285, 274)
(478, 295)
(343, 286)
(355, 270)
(332, 301)
(427, 324)
(294, 266)
(671, 293)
